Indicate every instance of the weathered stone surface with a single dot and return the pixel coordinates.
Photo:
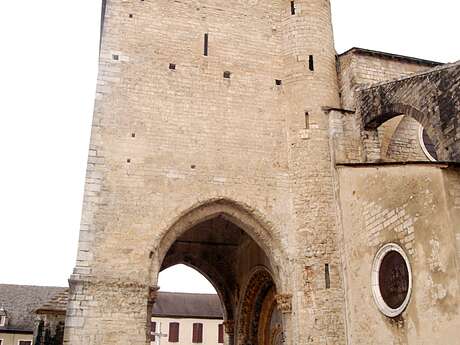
(235, 175)
(431, 97)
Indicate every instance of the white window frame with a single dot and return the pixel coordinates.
(422, 145)
(1, 341)
(2, 321)
(30, 341)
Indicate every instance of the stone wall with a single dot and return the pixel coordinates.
(360, 68)
(409, 206)
(431, 97)
(172, 136)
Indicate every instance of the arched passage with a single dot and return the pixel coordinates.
(394, 111)
(225, 242)
(404, 139)
(431, 97)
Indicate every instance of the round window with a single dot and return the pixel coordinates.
(391, 280)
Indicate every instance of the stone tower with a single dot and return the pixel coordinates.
(210, 147)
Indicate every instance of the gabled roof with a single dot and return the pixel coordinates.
(20, 302)
(188, 305)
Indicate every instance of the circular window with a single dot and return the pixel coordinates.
(391, 280)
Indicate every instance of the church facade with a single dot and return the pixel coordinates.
(319, 193)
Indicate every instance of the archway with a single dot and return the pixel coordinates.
(404, 139)
(226, 244)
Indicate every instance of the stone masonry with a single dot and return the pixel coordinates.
(228, 136)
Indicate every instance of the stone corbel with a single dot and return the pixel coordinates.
(284, 303)
(153, 294)
(229, 326)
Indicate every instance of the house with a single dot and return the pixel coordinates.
(35, 315)
(185, 318)
(17, 306)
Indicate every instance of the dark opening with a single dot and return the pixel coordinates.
(128, 160)
(278, 82)
(115, 57)
(133, 135)
(130, 15)
(292, 7)
(327, 276)
(227, 75)
(393, 279)
(206, 42)
(172, 66)
(307, 120)
(311, 63)
(429, 145)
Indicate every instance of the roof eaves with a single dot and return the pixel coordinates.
(390, 56)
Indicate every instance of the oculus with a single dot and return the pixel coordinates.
(391, 280)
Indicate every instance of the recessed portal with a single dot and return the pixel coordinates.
(228, 257)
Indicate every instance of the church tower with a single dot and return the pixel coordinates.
(210, 147)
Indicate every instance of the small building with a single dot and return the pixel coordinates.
(35, 315)
(185, 318)
(17, 311)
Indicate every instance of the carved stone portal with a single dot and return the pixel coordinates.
(260, 319)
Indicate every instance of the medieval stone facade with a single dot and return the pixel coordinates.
(228, 136)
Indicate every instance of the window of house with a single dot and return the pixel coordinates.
(173, 332)
(1, 341)
(153, 329)
(220, 337)
(2, 320)
(197, 336)
(25, 342)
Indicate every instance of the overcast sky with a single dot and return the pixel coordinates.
(48, 67)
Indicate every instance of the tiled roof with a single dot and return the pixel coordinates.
(57, 304)
(190, 305)
(20, 302)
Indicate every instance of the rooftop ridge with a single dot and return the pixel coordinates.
(391, 56)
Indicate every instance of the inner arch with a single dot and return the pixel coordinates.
(226, 255)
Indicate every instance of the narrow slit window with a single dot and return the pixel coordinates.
(307, 120)
(327, 276)
(311, 63)
(227, 74)
(278, 82)
(206, 44)
(172, 66)
(292, 8)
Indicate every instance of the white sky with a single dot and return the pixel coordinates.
(48, 67)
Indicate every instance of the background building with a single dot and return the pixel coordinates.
(17, 311)
(35, 315)
(188, 319)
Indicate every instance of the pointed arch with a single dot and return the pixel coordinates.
(247, 218)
